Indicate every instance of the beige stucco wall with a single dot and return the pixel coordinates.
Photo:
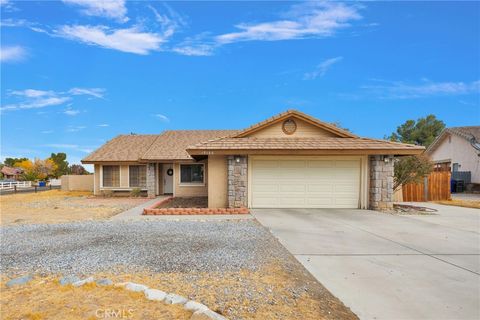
(217, 186)
(77, 182)
(189, 191)
(459, 150)
(304, 129)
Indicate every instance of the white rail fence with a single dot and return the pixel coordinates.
(13, 184)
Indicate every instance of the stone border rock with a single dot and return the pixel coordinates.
(200, 311)
(154, 210)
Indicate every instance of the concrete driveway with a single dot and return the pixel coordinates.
(386, 266)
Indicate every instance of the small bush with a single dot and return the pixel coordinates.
(136, 192)
(107, 193)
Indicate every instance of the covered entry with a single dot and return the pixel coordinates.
(305, 182)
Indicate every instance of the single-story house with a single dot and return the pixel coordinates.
(10, 173)
(457, 149)
(291, 160)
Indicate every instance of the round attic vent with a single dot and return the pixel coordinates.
(289, 126)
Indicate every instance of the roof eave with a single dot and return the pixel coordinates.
(389, 151)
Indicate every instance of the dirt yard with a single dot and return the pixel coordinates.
(57, 206)
(42, 298)
(270, 293)
(461, 203)
(186, 202)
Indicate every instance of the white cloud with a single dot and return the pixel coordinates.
(34, 99)
(103, 125)
(46, 131)
(12, 53)
(401, 90)
(32, 93)
(75, 128)
(162, 117)
(36, 103)
(131, 40)
(169, 23)
(71, 112)
(61, 146)
(321, 69)
(94, 92)
(112, 9)
(306, 20)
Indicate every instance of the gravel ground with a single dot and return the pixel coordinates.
(163, 246)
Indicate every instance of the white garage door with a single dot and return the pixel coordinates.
(305, 183)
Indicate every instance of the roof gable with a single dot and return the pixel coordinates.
(467, 133)
(305, 126)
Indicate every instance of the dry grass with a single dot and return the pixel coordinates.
(271, 293)
(55, 206)
(45, 298)
(461, 203)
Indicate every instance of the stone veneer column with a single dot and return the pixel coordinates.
(237, 181)
(151, 180)
(381, 182)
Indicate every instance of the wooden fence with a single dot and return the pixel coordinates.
(436, 186)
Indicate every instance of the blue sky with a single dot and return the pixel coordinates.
(76, 73)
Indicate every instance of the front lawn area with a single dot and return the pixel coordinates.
(57, 206)
(234, 267)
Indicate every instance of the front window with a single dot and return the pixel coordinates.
(111, 176)
(191, 173)
(138, 176)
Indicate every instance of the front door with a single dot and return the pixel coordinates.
(168, 178)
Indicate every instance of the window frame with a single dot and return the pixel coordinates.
(191, 184)
(102, 182)
(129, 176)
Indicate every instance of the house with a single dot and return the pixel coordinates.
(10, 173)
(291, 160)
(458, 150)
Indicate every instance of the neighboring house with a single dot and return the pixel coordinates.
(458, 149)
(291, 160)
(10, 173)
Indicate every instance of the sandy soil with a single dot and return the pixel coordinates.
(57, 206)
(186, 202)
(267, 294)
(461, 203)
(45, 298)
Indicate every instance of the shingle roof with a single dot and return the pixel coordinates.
(327, 126)
(172, 145)
(466, 133)
(300, 144)
(122, 148)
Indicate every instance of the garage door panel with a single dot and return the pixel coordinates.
(316, 183)
(320, 164)
(265, 163)
(291, 164)
(291, 188)
(346, 164)
(320, 188)
(265, 187)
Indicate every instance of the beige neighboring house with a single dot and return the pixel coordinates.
(458, 149)
(291, 160)
(10, 173)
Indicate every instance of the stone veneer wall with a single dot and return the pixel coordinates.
(237, 182)
(151, 180)
(381, 183)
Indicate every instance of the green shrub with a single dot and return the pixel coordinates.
(136, 192)
(107, 193)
